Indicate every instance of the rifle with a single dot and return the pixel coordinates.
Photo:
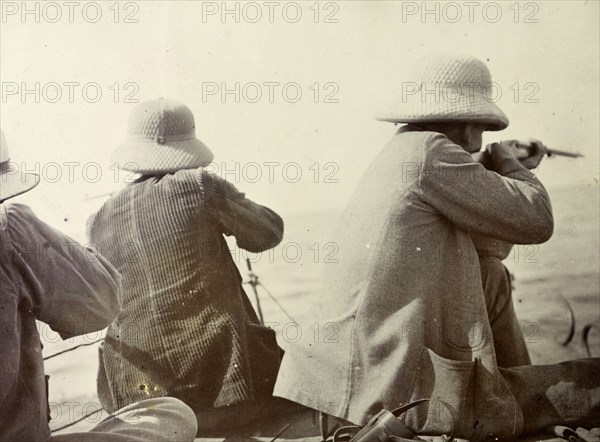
(523, 151)
(524, 148)
(563, 153)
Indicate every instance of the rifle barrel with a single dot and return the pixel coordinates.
(526, 146)
(563, 153)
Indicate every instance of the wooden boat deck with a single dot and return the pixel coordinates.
(298, 426)
(302, 426)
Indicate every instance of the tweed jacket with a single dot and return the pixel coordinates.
(406, 299)
(45, 276)
(187, 329)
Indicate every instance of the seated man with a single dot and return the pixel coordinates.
(407, 297)
(187, 328)
(47, 276)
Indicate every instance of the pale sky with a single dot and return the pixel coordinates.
(181, 51)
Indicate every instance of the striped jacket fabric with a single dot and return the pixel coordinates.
(186, 329)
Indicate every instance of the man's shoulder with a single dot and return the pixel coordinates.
(30, 236)
(212, 184)
(21, 212)
(422, 138)
(435, 147)
(421, 144)
(203, 177)
(25, 224)
(413, 148)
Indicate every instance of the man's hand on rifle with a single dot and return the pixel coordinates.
(529, 154)
(497, 153)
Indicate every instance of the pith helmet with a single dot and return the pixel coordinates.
(161, 138)
(445, 88)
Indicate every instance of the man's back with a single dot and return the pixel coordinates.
(406, 297)
(163, 236)
(186, 329)
(385, 226)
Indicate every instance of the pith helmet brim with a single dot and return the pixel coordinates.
(12, 181)
(16, 183)
(445, 88)
(149, 157)
(161, 138)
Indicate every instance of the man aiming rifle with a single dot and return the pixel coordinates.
(421, 300)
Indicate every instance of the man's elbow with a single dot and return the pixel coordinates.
(543, 227)
(546, 229)
(270, 236)
(276, 232)
(91, 315)
(110, 307)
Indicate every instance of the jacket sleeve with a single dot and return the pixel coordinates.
(256, 228)
(70, 287)
(490, 247)
(511, 205)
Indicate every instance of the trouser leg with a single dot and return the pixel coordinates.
(490, 401)
(547, 394)
(159, 419)
(515, 400)
(509, 344)
(558, 394)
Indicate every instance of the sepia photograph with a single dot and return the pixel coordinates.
(310, 220)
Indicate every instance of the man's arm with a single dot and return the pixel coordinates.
(255, 227)
(509, 204)
(70, 287)
(493, 247)
(490, 247)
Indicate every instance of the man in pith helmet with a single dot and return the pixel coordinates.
(47, 276)
(187, 328)
(420, 299)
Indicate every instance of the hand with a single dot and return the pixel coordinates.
(499, 152)
(483, 157)
(535, 151)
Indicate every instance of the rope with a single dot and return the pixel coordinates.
(277, 303)
(73, 348)
(254, 282)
